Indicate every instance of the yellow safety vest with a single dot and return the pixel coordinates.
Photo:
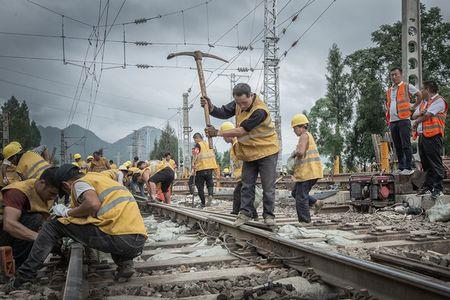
(82, 165)
(12, 175)
(113, 174)
(31, 165)
(37, 205)
(310, 166)
(113, 166)
(261, 141)
(236, 163)
(98, 166)
(171, 163)
(119, 212)
(206, 159)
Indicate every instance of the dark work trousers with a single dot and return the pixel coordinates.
(21, 248)
(123, 248)
(267, 168)
(303, 200)
(430, 151)
(237, 201)
(401, 136)
(191, 184)
(200, 178)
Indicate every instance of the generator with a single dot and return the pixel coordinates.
(370, 192)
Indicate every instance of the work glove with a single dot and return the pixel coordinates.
(60, 210)
(5, 181)
(210, 131)
(204, 100)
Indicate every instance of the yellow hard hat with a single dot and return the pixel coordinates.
(77, 156)
(226, 170)
(134, 170)
(90, 157)
(11, 149)
(226, 126)
(299, 119)
(127, 164)
(123, 168)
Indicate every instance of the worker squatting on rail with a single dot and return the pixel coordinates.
(103, 216)
(257, 147)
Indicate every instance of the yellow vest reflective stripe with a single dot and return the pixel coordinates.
(261, 141)
(310, 166)
(206, 159)
(37, 205)
(236, 163)
(31, 165)
(111, 174)
(118, 214)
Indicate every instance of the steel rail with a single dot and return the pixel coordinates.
(349, 273)
(73, 289)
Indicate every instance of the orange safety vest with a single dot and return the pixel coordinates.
(435, 124)
(402, 103)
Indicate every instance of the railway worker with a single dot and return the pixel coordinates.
(103, 216)
(89, 160)
(429, 124)
(127, 164)
(308, 168)
(80, 163)
(112, 164)
(398, 112)
(236, 170)
(24, 208)
(99, 163)
(135, 161)
(204, 165)
(29, 164)
(158, 177)
(257, 147)
(120, 175)
(168, 161)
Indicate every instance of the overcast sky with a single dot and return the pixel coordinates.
(131, 98)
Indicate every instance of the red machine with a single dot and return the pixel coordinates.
(369, 192)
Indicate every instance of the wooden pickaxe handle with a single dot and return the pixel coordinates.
(201, 79)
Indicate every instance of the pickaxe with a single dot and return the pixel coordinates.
(198, 56)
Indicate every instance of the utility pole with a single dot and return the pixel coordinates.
(63, 152)
(186, 133)
(134, 144)
(5, 128)
(233, 80)
(271, 79)
(411, 43)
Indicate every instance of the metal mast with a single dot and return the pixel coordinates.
(271, 79)
(186, 134)
(411, 43)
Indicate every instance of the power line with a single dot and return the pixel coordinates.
(59, 14)
(304, 32)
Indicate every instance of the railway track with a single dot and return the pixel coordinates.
(256, 255)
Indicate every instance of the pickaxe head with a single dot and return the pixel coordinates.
(198, 55)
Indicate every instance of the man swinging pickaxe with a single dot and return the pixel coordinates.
(198, 56)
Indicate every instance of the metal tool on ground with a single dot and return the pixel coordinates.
(198, 56)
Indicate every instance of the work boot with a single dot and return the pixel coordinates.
(241, 219)
(318, 206)
(407, 172)
(15, 283)
(209, 200)
(270, 221)
(125, 270)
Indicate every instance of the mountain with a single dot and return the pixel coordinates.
(121, 149)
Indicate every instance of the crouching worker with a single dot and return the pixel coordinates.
(236, 171)
(26, 206)
(103, 216)
(308, 169)
(158, 175)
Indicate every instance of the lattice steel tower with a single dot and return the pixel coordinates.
(271, 90)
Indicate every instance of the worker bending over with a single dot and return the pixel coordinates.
(29, 164)
(429, 124)
(204, 161)
(308, 168)
(120, 175)
(236, 169)
(103, 216)
(99, 163)
(159, 175)
(25, 207)
(257, 147)
(398, 112)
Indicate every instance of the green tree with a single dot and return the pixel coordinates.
(219, 156)
(225, 159)
(21, 128)
(168, 142)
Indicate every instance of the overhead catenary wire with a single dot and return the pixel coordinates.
(306, 31)
(58, 13)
